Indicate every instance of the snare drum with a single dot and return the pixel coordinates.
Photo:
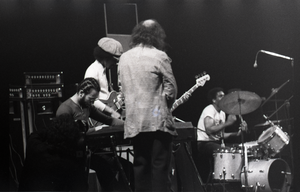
(227, 166)
(273, 140)
(268, 175)
(253, 149)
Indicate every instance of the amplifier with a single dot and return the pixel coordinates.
(16, 92)
(44, 92)
(186, 132)
(38, 78)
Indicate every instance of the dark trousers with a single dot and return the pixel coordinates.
(152, 161)
(205, 157)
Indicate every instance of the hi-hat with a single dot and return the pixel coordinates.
(240, 102)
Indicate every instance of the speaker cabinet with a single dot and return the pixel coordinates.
(41, 112)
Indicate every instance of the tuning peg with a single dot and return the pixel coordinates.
(201, 75)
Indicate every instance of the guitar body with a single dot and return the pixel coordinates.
(116, 103)
(111, 100)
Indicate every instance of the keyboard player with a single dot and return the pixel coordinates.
(80, 107)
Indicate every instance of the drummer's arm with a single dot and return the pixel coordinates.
(232, 134)
(243, 127)
(211, 127)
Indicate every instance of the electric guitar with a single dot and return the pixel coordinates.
(200, 81)
(113, 101)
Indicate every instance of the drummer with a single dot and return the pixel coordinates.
(211, 130)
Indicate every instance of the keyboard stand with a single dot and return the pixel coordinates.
(113, 147)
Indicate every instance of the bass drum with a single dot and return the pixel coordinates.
(273, 175)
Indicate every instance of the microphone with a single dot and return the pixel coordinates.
(255, 62)
(276, 55)
(273, 54)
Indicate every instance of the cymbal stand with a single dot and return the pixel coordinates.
(245, 159)
(244, 151)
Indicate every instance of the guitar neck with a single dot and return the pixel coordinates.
(181, 99)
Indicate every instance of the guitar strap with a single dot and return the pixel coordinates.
(110, 84)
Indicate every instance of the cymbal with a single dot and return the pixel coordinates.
(273, 121)
(265, 124)
(240, 102)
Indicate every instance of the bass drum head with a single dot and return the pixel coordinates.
(275, 176)
(270, 175)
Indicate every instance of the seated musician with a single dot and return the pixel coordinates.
(211, 131)
(55, 159)
(80, 107)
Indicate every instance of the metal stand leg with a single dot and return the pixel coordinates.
(113, 147)
(194, 165)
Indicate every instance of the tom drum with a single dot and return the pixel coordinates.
(227, 166)
(273, 140)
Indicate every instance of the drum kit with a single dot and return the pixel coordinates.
(253, 163)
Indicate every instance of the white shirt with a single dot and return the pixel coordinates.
(97, 71)
(219, 117)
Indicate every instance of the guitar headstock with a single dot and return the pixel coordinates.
(202, 78)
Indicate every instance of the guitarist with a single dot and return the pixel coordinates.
(106, 53)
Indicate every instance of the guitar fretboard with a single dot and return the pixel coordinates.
(182, 98)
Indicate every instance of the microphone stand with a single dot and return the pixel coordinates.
(274, 91)
(285, 103)
(289, 131)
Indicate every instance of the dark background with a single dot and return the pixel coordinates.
(221, 37)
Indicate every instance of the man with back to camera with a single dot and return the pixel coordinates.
(150, 89)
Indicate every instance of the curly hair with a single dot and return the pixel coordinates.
(148, 33)
(87, 84)
(212, 94)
